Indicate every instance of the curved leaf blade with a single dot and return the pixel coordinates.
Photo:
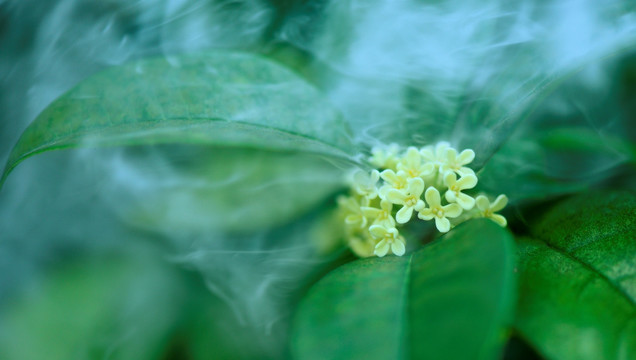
(578, 279)
(457, 290)
(219, 98)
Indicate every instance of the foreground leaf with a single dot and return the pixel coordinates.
(216, 98)
(578, 279)
(459, 290)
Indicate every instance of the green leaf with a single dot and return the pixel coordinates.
(217, 98)
(520, 170)
(111, 308)
(449, 300)
(578, 279)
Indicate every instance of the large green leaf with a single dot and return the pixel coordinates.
(450, 300)
(109, 308)
(218, 98)
(578, 279)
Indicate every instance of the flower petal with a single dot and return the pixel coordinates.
(432, 197)
(389, 176)
(450, 178)
(463, 171)
(499, 219)
(466, 157)
(404, 215)
(375, 176)
(428, 154)
(467, 182)
(419, 205)
(388, 222)
(381, 248)
(377, 231)
(499, 203)
(398, 248)
(386, 205)
(425, 214)
(451, 156)
(370, 212)
(452, 210)
(442, 224)
(482, 203)
(412, 156)
(360, 247)
(395, 196)
(450, 196)
(465, 201)
(355, 219)
(416, 186)
(427, 169)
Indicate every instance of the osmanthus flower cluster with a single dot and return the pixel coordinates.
(430, 184)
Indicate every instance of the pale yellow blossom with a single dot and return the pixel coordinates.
(435, 154)
(382, 215)
(488, 210)
(362, 244)
(385, 157)
(455, 162)
(409, 199)
(364, 183)
(390, 239)
(352, 209)
(397, 181)
(412, 164)
(436, 211)
(454, 193)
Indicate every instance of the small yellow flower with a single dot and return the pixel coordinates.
(454, 194)
(364, 183)
(437, 211)
(435, 154)
(456, 162)
(488, 210)
(363, 244)
(410, 199)
(382, 216)
(389, 239)
(353, 211)
(385, 157)
(413, 166)
(395, 181)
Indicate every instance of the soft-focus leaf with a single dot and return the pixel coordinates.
(578, 279)
(519, 170)
(207, 189)
(458, 290)
(216, 98)
(110, 308)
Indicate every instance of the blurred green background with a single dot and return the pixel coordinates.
(151, 252)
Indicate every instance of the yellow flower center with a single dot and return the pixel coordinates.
(438, 212)
(411, 201)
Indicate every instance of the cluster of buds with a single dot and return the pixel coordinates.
(430, 182)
